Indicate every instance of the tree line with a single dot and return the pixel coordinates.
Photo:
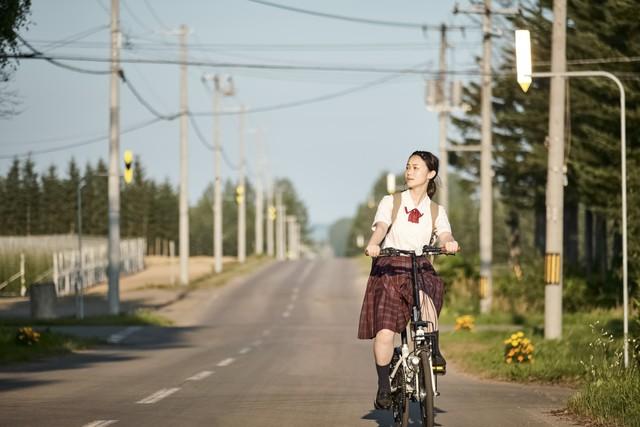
(592, 205)
(46, 203)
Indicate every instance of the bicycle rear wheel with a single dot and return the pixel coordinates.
(426, 391)
(400, 400)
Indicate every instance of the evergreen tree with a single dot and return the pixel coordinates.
(70, 197)
(30, 198)
(11, 209)
(52, 203)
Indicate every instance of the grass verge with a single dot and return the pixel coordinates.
(49, 344)
(589, 357)
(139, 317)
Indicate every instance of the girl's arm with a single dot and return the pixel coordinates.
(449, 243)
(373, 247)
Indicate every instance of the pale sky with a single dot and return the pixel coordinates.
(332, 150)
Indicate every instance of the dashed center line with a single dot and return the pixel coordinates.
(256, 343)
(100, 423)
(266, 332)
(200, 376)
(226, 362)
(286, 314)
(306, 272)
(245, 350)
(116, 338)
(294, 297)
(158, 395)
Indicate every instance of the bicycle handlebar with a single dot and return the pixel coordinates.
(426, 250)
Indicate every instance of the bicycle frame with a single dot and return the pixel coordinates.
(408, 359)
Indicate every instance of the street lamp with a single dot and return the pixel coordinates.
(523, 59)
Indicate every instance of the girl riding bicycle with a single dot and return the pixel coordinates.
(389, 295)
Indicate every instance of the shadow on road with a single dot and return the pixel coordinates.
(385, 418)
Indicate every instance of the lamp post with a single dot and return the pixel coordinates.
(525, 76)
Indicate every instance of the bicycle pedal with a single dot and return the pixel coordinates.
(439, 370)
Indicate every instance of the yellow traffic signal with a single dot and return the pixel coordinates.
(272, 212)
(239, 194)
(128, 166)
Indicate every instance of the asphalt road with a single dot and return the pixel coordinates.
(277, 349)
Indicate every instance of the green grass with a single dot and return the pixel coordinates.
(588, 357)
(49, 344)
(139, 317)
(610, 400)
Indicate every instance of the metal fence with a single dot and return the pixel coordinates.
(66, 273)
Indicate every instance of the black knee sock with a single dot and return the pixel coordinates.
(383, 376)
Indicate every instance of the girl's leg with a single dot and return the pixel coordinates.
(382, 353)
(429, 313)
(383, 346)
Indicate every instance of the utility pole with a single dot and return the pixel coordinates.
(113, 268)
(217, 181)
(291, 234)
(486, 169)
(439, 101)
(271, 216)
(242, 202)
(280, 224)
(184, 159)
(555, 178)
(443, 117)
(259, 229)
(224, 87)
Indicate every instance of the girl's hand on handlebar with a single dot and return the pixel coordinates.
(451, 247)
(372, 250)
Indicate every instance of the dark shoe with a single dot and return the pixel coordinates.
(439, 363)
(383, 399)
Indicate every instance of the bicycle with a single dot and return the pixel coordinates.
(413, 376)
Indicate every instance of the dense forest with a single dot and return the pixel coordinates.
(37, 204)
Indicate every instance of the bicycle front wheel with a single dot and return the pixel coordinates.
(400, 400)
(426, 391)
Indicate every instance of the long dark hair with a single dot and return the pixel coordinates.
(432, 163)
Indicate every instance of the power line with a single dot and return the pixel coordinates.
(281, 67)
(208, 146)
(155, 16)
(40, 55)
(144, 102)
(397, 24)
(307, 101)
(80, 143)
(54, 44)
(135, 17)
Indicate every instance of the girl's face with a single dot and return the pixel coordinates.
(416, 173)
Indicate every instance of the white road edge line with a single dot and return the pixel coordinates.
(306, 272)
(245, 350)
(226, 362)
(158, 395)
(118, 337)
(199, 376)
(100, 423)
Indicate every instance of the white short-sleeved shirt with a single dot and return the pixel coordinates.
(407, 235)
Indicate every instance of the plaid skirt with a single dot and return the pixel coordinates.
(389, 295)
